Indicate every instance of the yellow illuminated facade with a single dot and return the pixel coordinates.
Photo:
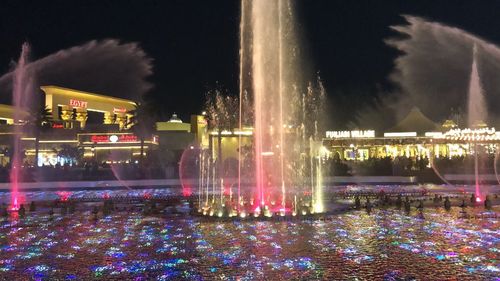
(451, 143)
(415, 136)
(230, 141)
(7, 114)
(199, 126)
(68, 105)
(361, 149)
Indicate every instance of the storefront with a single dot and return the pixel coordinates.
(115, 148)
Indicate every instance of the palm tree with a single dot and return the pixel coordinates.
(74, 154)
(222, 112)
(40, 120)
(142, 123)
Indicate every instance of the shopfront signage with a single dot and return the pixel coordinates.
(78, 103)
(113, 138)
(57, 126)
(356, 134)
(400, 134)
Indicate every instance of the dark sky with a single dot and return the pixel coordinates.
(194, 44)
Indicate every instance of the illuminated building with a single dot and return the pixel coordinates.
(415, 136)
(95, 124)
(70, 106)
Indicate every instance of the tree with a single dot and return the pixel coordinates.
(222, 113)
(142, 123)
(75, 154)
(40, 120)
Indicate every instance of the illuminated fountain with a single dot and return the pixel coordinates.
(22, 86)
(477, 113)
(477, 131)
(278, 144)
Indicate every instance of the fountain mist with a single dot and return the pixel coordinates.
(435, 64)
(94, 67)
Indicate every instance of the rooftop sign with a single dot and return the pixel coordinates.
(356, 134)
(400, 134)
(78, 103)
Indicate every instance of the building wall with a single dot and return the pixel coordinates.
(114, 109)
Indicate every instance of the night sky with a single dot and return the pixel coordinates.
(194, 44)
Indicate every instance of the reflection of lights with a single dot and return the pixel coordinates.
(95, 247)
(267, 153)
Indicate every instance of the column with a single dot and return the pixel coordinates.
(81, 116)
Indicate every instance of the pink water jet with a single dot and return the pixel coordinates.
(21, 90)
(279, 169)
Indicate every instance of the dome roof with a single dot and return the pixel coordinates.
(175, 119)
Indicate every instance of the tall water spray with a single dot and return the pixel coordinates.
(279, 169)
(21, 89)
(265, 37)
(476, 104)
(269, 50)
(477, 112)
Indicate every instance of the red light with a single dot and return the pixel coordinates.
(63, 195)
(57, 126)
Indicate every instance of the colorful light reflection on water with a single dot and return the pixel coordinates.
(385, 245)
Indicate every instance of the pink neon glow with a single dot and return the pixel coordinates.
(15, 204)
(186, 165)
(478, 193)
(63, 195)
(186, 190)
(227, 188)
